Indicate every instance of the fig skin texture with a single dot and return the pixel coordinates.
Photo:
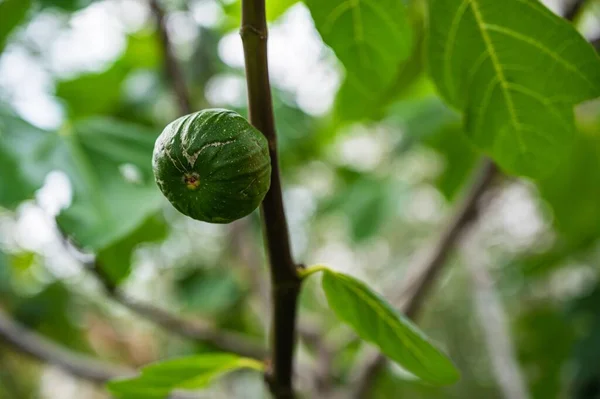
(212, 165)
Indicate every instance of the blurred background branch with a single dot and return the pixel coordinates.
(199, 330)
(172, 68)
(40, 348)
(493, 322)
(426, 268)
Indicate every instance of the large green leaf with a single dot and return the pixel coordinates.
(108, 163)
(12, 13)
(374, 320)
(371, 38)
(158, 380)
(516, 70)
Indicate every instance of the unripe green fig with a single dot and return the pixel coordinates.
(212, 165)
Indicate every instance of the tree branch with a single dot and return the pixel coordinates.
(424, 272)
(198, 330)
(572, 9)
(172, 68)
(192, 329)
(494, 325)
(41, 348)
(285, 282)
(425, 269)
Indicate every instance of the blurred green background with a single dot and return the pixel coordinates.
(83, 95)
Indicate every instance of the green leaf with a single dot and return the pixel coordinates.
(459, 159)
(573, 192)
(211, 292)
(67, 5)
(276, 8)
(375, 321)
(515, 69)
(367, 201)
(543, 356)
(110, 167)
(12, 13)
(158, 380)
(115, 260)
(429, 121)
(101, 92)
(14, 186)
(51, 312)
(371, 38)
(92, 93)
(25, 156)
(108, 163)
(5, 278)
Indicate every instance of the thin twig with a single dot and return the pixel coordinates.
(573, 9)
(245, 248)
(172, 68)
(198, 330)
(41, 348)
(425, 270)
(494, 324)
(285, 282)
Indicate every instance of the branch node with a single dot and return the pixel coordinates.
(247, 31)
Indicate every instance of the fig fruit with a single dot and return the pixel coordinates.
(212, 165)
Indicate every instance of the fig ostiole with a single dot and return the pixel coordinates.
(212, 165)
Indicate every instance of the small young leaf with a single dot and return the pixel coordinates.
(158, 380)
(516, 70)
(376, 321)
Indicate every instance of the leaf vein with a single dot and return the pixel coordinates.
(450, 44)
(525, 39)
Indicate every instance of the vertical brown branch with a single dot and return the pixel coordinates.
(285, 285)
